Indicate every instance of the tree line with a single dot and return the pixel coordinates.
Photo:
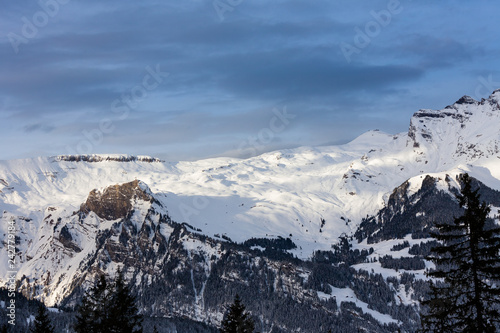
(106, 307)
(110, 308)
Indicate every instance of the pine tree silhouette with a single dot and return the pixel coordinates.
(42, 322)
(237, 320)
(108, 308)
(92, 314)
(123, 311)
(467, 298)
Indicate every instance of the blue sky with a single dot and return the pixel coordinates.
(191, 79)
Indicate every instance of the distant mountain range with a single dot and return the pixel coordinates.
(334, 235)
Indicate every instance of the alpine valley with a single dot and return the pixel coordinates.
(312, 239)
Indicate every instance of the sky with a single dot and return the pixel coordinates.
(193, 79)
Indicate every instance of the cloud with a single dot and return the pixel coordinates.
(286, 76)
(38, 127)
(100, 54)
(433, 52)
(226, 76)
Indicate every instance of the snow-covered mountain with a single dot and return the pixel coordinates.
(279, 193)
(79, 215)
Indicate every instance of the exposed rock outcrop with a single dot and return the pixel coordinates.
(115, 202)
(107, 158)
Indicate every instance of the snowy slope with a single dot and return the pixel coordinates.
(274, 194)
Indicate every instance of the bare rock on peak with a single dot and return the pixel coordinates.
(115, 202)
(94, 158)
(466, 100)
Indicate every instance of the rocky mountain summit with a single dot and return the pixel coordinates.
(115, 202)
(462, 126)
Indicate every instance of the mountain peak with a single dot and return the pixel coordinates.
(115, 201)
(466, 100)
(495, 96)
(467, 128)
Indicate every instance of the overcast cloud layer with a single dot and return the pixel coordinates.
(192, 79)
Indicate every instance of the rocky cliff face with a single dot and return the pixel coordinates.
(412, 209)
(461, 127)
(107, 158)
(119, 224)
(115, 202)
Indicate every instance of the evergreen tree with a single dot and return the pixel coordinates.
(108, 308)
(4, 328)
(466, 298)
(84, 321)
(92, 314)
(124, 316)
(42, 321)
(155, 330)
(236, 319)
